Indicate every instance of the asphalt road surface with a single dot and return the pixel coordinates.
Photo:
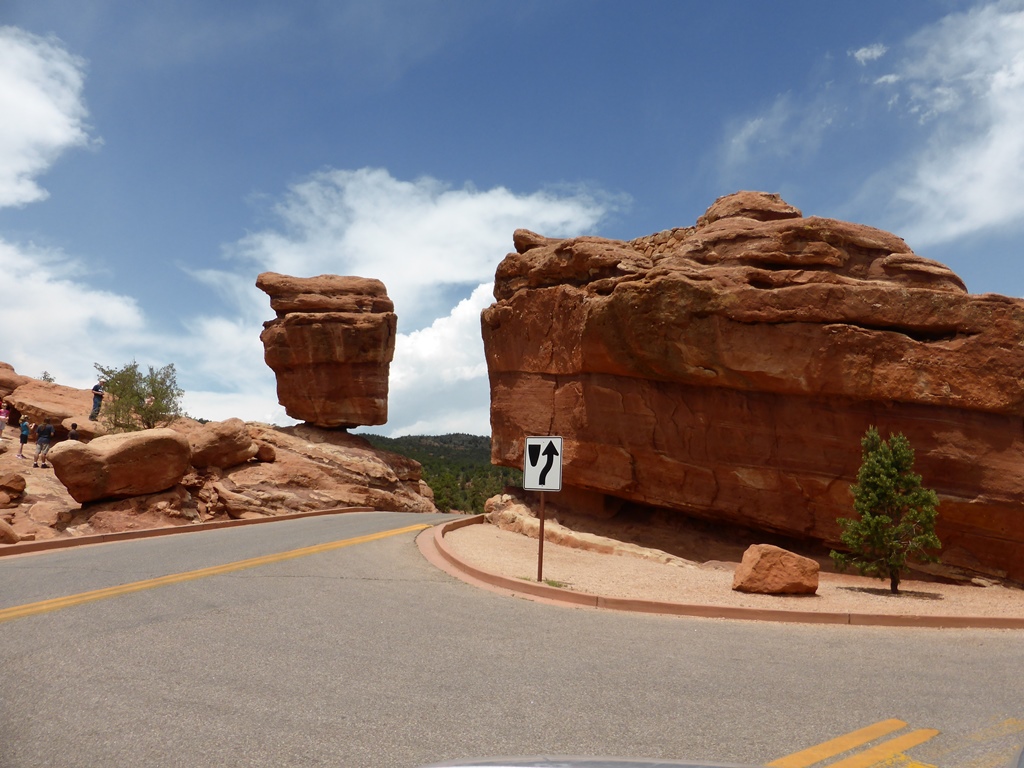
(353, 651)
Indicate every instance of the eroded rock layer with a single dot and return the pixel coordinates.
(729, 370)
(330, 347)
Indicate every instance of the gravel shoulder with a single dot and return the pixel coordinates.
(514, 555)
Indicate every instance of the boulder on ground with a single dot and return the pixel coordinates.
(771, 570)
(118, 466)
(12, 483)
(221, 444)
(7, 534)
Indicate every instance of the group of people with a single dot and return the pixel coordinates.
(44, 435)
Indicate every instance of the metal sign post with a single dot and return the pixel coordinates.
(542, 472)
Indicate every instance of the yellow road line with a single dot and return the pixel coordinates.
(887, 749)
(837, 746)
(55, 604)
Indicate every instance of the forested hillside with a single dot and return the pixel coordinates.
(458, 467)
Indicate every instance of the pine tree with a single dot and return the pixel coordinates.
(897, 515)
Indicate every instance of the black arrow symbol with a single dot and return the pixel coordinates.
(550, 452)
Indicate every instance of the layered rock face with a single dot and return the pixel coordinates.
(729, 370)
(331, 347)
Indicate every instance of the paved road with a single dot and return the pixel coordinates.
(366, 656)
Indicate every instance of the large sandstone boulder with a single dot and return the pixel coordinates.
(729, 370)
(330, 347)
(770, 570)
(221, 444)
(118, 466)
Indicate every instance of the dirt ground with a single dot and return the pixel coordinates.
(709, 581)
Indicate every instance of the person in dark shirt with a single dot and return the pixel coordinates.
(44, 436)
(97, 399)
(73, 432)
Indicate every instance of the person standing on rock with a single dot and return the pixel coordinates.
(25, 429)
(5, 414)
(44, 436)
(97, 399)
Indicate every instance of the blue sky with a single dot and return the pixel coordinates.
(154, 158)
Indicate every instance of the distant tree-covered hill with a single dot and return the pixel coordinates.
(457, 467)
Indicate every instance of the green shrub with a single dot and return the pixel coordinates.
(136, 400)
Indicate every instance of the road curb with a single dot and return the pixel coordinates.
(434, 548)
(44, 545)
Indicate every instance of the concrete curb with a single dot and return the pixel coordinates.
(433, 547)
(148, 533)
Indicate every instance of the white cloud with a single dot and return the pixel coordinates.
(430, 244)
(434, 247)
(786, 130)
(423, 238)
(869, 53)
(439, 376)
(42, 108)
(52, 321)
(964, 81)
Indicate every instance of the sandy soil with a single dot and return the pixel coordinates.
(515, 555)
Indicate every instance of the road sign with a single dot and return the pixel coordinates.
(542, 464)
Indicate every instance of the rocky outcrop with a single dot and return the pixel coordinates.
(771, 570)
(123, 465)
(10, 379)
(232, 469)
(728, 371)
(330, 347)
(41, 400)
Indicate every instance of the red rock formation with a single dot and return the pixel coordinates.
(729, 370)
(40, 400)
(331, 347)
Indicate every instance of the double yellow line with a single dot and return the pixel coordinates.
(57, 603)
(877, 754)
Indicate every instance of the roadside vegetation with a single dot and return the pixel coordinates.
(457, 467)
(137, 400)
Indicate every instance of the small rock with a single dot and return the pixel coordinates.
(7, 534)
(771, 570)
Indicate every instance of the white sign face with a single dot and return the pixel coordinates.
(542, 464)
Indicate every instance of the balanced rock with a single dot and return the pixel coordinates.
(771, 570)
(729, 370)
(122, 465)
(330, 347)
